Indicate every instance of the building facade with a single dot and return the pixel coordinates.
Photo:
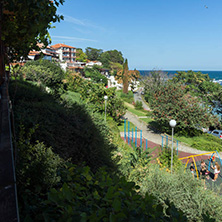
(66, 53)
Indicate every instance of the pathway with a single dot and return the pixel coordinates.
(155, 140)
(155, 137)
(138, 97)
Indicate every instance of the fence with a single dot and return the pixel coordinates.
(131, 136)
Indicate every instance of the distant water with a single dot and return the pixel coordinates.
(217, 75)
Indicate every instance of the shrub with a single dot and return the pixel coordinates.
(165, 159)
(72, 131)
(186, 193)
(37, 165)
(127, 97)
(44, 72)
(85, 196)
(139, 105)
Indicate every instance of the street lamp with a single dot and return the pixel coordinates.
(105, 98)
(173, 123)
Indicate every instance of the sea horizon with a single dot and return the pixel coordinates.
(216, 75)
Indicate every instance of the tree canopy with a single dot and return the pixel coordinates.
(80, 55)
(172, 102)
(93, 54)
(26, 22)
(44, 72)
(200, 85)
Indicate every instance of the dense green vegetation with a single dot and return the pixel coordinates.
(95, 74)
(45, 73)
(182, 98)
(72, 166)
(129, 98)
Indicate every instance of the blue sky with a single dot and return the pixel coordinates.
(151, 34)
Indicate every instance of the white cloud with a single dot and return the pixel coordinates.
(83, 22)
(73, 20)
(70, 38)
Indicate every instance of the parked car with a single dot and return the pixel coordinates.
(217, 133)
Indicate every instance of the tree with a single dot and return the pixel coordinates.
(44, 72)
(127, 76)
(93, 54)
(200, 85)
(172, 102)
(152, 82)
(80, 55)
(23, 24)
(105, 60)
(95, 75)
(113, 56)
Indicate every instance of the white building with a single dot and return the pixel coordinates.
(112, 82)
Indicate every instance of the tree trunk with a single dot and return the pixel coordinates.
(125, 82)
(2, 66)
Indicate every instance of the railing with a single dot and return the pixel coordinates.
(167, 139)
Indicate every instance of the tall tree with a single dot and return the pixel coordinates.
(93, 54)
(80, 55)
(127, 76)
(23, 24)
(113, 56)
(105, 60)
(152, 82)
(200, 85)
(172, 101)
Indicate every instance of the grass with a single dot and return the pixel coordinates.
(132, 109)
(203, 142)
(129, 98)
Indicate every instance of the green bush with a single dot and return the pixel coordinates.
(139, 105)
(44, 72)
(85, 196)
(71, 97)
(95, 75)
(129, 97)
(165, 159)
(184, 192)
(37, 165)
(203, 142)
(73, 132)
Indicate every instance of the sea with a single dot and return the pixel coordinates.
(216, 76)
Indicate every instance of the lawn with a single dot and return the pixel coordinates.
(132, 109)
(203, 142)
(129, 98)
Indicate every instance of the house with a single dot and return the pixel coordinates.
(66, 53)
(90, 64)
(47, 53)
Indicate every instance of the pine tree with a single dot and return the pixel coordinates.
(125, 77)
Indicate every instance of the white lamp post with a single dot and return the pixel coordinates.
(173, 123)
(105, 98)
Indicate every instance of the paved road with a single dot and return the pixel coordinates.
(137, 97)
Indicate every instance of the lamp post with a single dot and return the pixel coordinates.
(105, 98)
(172, 124)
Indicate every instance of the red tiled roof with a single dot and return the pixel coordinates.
(59, 45)
(31, 53)
(75, 67)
